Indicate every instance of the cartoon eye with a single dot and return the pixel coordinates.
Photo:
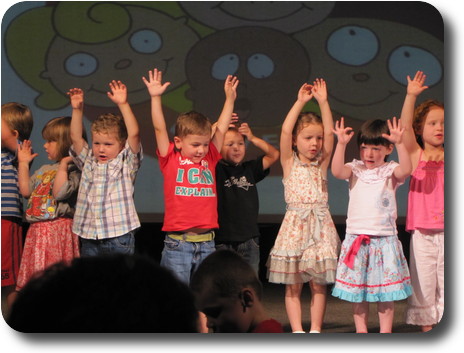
(81, 64)
(260, 66)
(406, 60)
(146, 41)
(225, 65)
(353, 45)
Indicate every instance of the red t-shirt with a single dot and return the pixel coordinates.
(190, 199)
(269, 326)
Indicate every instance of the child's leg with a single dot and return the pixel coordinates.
(318, 305)
(386, 312)
(293, 305)
(360, 316)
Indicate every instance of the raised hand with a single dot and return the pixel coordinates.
(344, 134)
(118, 92)
(416, 85)
(245, 130)
(155, 84)
(76, 96)
(396, 131)
(319, 90)
(25, 154)
(230, 87)
(305, 94)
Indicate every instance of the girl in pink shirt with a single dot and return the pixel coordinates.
(424, 138)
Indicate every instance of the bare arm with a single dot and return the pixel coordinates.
(156, 88)
(230, 89)
(344, 135)
(404, 169)
(76, 96)
(271, 153)
(25, 157)
(118, 95)
(61, 175)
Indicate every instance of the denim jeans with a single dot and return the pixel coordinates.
(184, 257)
(124, 244)
(249, 250)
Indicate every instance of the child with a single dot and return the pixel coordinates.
(424, 137)
(51, 194)
(307, 245)
(105, 218)
(188, 166)
(17, 125)
(372, 267)
(238, 202)
(228, 291)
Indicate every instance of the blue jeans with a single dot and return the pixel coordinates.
(183, 257)
(249, 250)
(124, 244)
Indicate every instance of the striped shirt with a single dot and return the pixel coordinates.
(105, 203)
(11, 200)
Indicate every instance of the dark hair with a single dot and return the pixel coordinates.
(117, 293)
(371, 132)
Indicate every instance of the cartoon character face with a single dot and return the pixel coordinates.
(269, 64)
(152, 39)
(286, 16)
(366, 61)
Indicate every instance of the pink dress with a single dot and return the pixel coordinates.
(307, 245)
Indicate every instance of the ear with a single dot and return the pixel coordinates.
(15, 133)
(177, 142)
(247, 298)
(390, 149)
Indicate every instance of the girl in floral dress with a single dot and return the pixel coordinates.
(307, 245)
(372, 266)
(51, 192)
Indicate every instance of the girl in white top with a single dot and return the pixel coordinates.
(372, 266)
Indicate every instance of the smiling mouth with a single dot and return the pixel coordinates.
(390, 94)
(234, 15)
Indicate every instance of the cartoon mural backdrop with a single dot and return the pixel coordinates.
(364, 50)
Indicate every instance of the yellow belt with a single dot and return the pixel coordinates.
(193, 238)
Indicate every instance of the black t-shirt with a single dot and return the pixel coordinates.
(238, 203)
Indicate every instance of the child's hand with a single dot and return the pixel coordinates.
(76, 95)
(396, 131)
(230, 87)
(344, 135)
(234, 120)
(118, 92)
(305, 94)
(320, 90)
(155, 83)
(25, 154)
(245, 130)
(416, 85)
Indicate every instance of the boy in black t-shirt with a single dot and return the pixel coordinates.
(238, 203)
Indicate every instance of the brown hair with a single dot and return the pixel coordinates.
(192, 123)
(304, 119)
(420, 114)
(108, 123)
(58, 130)
(18, 117)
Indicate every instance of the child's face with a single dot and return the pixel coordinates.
(106, 146)
(433, 132)
(373, 156)
(233, 149)
(193, 147)
(309, 142)
(9, 137)
(52, 150)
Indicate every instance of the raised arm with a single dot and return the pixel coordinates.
(404, 169)
(286, 135)
(76, 96)
(415, 87)
(344, 135)
(320, 93)
(25, 157)
(156, 88)
(118, 96)
(271, 153)
(61, 175)
(230, 89)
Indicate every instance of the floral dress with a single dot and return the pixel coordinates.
(307, 245)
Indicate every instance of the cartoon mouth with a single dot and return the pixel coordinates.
(235, 15)
(390, 94)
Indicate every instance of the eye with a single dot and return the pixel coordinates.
(260, 66)
(81, 64)
(225, 65)
(353, 45)
(406, 60)
(146, 41)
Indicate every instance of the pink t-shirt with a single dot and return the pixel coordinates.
(190, 199)
(426, 198)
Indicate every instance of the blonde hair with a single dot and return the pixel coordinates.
(107, 123)
(305, 119)
(59, 130)
(420, 114)
(192, 123)
(18, 117)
